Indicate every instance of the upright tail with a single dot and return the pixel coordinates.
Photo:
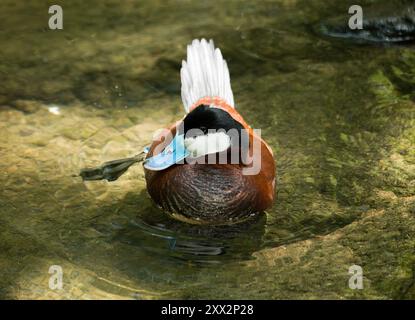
(204, 74)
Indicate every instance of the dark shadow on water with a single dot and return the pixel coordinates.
(152, 231)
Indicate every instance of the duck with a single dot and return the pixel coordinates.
(210, 166)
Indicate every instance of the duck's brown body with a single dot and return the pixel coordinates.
(218, 192)
(213, 193)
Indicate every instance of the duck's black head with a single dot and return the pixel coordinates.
(206, 118)
(210, 130)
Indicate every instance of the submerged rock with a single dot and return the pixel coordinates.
(26, 106)
(395, 28)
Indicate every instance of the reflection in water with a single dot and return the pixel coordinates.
(187, 244)
(339, 118)
(166, 238)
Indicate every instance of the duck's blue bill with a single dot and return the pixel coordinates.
(172, 154)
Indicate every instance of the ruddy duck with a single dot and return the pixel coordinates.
(202, 170)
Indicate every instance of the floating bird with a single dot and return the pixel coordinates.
(210, 167)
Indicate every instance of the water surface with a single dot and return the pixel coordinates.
(338, 115)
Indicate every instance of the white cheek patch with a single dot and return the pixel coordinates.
(207, 144)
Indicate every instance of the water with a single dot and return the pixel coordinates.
(339, 116)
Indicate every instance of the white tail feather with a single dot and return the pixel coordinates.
(204, 74)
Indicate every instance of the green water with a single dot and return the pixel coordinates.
(339, 117)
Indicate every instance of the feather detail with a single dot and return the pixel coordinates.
(204, 74)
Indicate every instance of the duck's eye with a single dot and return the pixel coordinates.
(204, 129)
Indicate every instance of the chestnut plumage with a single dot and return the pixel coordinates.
(205, 192)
